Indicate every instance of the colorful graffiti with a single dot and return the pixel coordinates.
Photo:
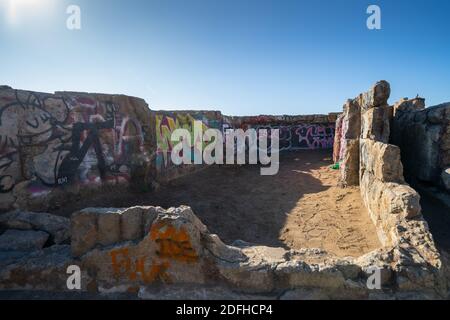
(303, 136)
(292, 137)
(136, 269)
(173, 244)
(64, 139)
(167, 124)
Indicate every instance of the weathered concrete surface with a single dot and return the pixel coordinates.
(445, 176)
(377, 96)
(423, 136)
(407, 105)
(61, 147)
(57, 227)
(349, 167)
(337, 139)
(106, 226)
(381, 160)
(175, 250)
(18, 240)
(349, 143)
(55, 147)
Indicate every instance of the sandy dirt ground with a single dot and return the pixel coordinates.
(300, 207)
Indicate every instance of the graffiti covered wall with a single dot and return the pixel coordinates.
(296, 132)
(66, 140)
(165, 124)
(67, 143)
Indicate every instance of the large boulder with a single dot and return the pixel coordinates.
(406, 105)
(382, 160)
(174, 246)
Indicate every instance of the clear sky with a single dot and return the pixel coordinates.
(242, 57)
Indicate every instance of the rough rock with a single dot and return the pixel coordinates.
(406, 104)
(375, 123)
(171, 252)
(108, 227)
(382, 160)
(446, 178)
(377, 96)
(352, 120)
(337, 139)
(57, 227)
(84, 232)
(19, 240)
(41, 270)
(424, 139)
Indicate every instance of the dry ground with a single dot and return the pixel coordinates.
(300, 207)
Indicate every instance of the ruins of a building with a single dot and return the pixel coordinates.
(57, 147)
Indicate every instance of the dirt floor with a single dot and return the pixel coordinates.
(300, 207)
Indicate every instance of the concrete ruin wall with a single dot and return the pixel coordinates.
(393, 205)
(423, 136)
(148, 249)
(296, 132)
(56, 147)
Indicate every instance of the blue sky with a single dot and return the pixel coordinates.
(241, 57)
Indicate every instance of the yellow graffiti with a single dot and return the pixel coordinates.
(166, 125)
